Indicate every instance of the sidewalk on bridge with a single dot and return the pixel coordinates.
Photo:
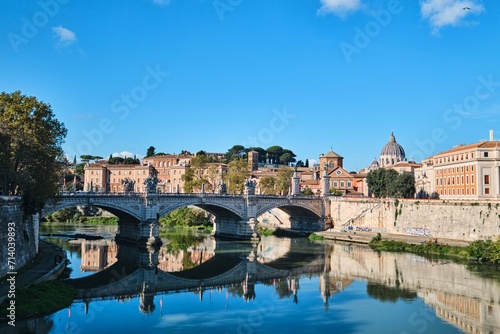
(365, 237)
(48, 264)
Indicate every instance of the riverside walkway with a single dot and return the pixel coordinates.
(49, 263)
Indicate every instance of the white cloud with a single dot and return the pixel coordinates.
(339, 7)
(64, 36)
(442, 13)
(127, 154)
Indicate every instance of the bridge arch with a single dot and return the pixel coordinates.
(292, 210)
(224, 207)
(118, 208)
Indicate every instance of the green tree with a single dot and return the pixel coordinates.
(307, 163)
(389, 183)
(236, 176)
(151, 151)
(268, 185)
(194, 177)
(235, 152)
(274, 153)
(307, 192)
(31, 157)
(405, 185)
(284, 180)
(80, 169)
(287, 157)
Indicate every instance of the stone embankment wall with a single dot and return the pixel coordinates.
(461, 220)
(26, 235)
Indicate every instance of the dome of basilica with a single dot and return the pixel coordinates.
(392, 153)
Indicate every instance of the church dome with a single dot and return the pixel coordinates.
(392, 153)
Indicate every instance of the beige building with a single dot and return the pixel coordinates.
(105, 178)
(468, 171)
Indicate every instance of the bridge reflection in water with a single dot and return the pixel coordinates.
(138, 271)
(460, 296)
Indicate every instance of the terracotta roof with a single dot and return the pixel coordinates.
(483, 144)
(405, 164)
(331, 154)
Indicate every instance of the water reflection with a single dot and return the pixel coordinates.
(314, 286)
(459, 296)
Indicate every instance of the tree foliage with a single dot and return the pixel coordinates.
(389, 183)
(184, 217)
(268, 185)
(236, 176)
(235, 152)
(284, 180)
(31, 158)
(151, 151)
(194, 177)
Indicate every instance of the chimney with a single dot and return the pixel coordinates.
(491, 136)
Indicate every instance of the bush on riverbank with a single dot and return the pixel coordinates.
(314, 236)
(186, 217)
(41, 299)
(265, 231)
(480, 250)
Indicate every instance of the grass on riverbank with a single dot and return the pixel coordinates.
(40, 299)
(480, 250)
(314, 236)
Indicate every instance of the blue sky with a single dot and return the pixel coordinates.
(306, 74)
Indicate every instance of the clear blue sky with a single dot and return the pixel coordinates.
(306, 75)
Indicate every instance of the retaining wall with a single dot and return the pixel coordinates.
(461, 220)
(26, 234)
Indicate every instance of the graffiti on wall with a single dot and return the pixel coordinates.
(417, 231)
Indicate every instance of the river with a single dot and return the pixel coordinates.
(194, 283)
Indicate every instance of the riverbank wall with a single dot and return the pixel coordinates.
(24, 230)
(459, 220)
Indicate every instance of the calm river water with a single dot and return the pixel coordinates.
(197, 284)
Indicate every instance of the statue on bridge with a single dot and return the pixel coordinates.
(151, 182)
(128, 185)
(250, 187)
(221, 187)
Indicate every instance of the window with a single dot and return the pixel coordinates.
(486, 179)
(342, 184)
(335, 184)
(466, 168)
(485, 154)
(472, 179)
(349, 184)
(467, 179)
(487, 191)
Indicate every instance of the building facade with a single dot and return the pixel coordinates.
(468, 171)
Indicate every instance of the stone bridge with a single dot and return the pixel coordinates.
(235, 215)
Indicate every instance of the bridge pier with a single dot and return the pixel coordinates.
(307, 223)
(236, 228)
(140, 233)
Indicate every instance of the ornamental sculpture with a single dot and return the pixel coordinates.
(128, 185)
(250, 187)
(221, 187)
(150, 184)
